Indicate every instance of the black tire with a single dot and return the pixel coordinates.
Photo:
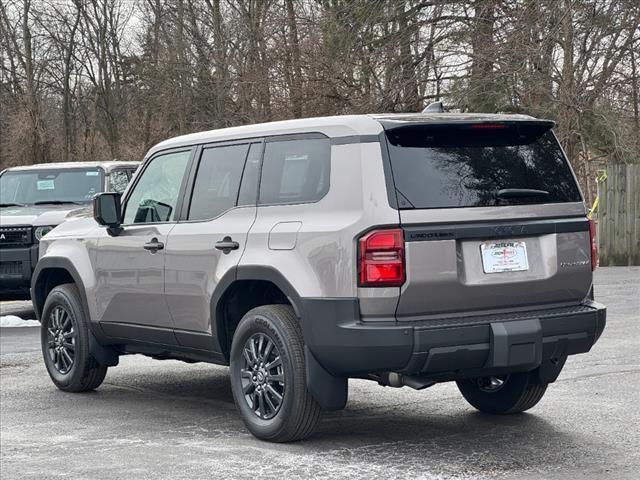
(516, 394)
(297, 414)
(84, 373)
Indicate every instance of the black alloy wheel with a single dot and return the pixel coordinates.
(61, 339)
(263, 382)
(66, 342)
(268, 375)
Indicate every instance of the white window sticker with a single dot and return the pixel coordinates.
(296, 157)
(92, 174)
(45, 185)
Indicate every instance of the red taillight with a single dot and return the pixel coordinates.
(381, 254)
(594, 244)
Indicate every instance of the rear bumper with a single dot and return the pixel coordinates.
(446, 348)
(16, 268)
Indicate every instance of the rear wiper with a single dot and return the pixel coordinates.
(11, 205)
(56, 202)
(520, 193)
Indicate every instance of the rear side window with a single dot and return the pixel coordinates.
(295, 171)
(217, 181)
(466, 166)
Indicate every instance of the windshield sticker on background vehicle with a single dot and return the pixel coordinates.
(296, 157)
(45, 185)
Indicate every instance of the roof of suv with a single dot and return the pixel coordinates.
(110, 165)
(336, 126)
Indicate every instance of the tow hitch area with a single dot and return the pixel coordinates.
(397, 380)
(515, 344)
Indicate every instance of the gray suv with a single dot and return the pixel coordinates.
(404, 249)
(35, 199)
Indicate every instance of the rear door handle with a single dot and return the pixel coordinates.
(227, 244)
(153, 245)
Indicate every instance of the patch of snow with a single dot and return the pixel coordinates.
(13, 321)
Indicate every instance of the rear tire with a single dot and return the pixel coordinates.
(268, 377)
(64, 336)
(515, 394)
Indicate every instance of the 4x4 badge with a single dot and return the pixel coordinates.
(574, 264)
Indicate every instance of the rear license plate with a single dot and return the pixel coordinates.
(506, 256)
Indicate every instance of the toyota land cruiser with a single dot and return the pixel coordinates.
(405, 249)
(36, 198)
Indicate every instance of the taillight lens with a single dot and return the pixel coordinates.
(381, 258)
(594, 244)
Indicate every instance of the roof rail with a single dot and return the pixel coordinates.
(435, 107)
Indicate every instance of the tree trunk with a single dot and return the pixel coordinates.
(482, 94)
(296, 67)
(409, 87)
(566, 94)
(634, 93)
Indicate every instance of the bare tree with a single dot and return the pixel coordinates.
(102, 79)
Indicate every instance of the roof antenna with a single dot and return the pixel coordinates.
(435, 107)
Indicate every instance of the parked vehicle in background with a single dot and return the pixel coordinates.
(35, 199)
(404, 249)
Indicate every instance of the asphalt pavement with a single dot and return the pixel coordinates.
(167, 419)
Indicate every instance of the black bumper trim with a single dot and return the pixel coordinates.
(346, 346)
(27, 258)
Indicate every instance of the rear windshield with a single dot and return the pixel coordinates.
(477, 166)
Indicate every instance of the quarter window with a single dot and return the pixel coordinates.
(295, 171)
(217, 182)
(155, 196)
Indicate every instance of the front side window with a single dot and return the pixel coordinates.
(295, 171)
(155, 197)
(217, 181)
(50, 186)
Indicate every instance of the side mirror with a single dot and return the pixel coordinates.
(107, 211)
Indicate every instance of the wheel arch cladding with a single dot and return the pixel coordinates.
(51, 272)
(263, 285)
(242, 289)
(48, 274)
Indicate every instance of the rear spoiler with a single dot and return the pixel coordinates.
(464, 132)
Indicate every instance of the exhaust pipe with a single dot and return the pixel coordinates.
(397, 380)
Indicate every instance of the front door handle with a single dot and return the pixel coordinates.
(153, 245)
(227, 244)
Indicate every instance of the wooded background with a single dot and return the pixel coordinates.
(104, 79)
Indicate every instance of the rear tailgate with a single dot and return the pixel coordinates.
(492, 218)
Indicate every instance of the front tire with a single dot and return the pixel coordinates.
(268, 377)
(502, 395)
(64, 338)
